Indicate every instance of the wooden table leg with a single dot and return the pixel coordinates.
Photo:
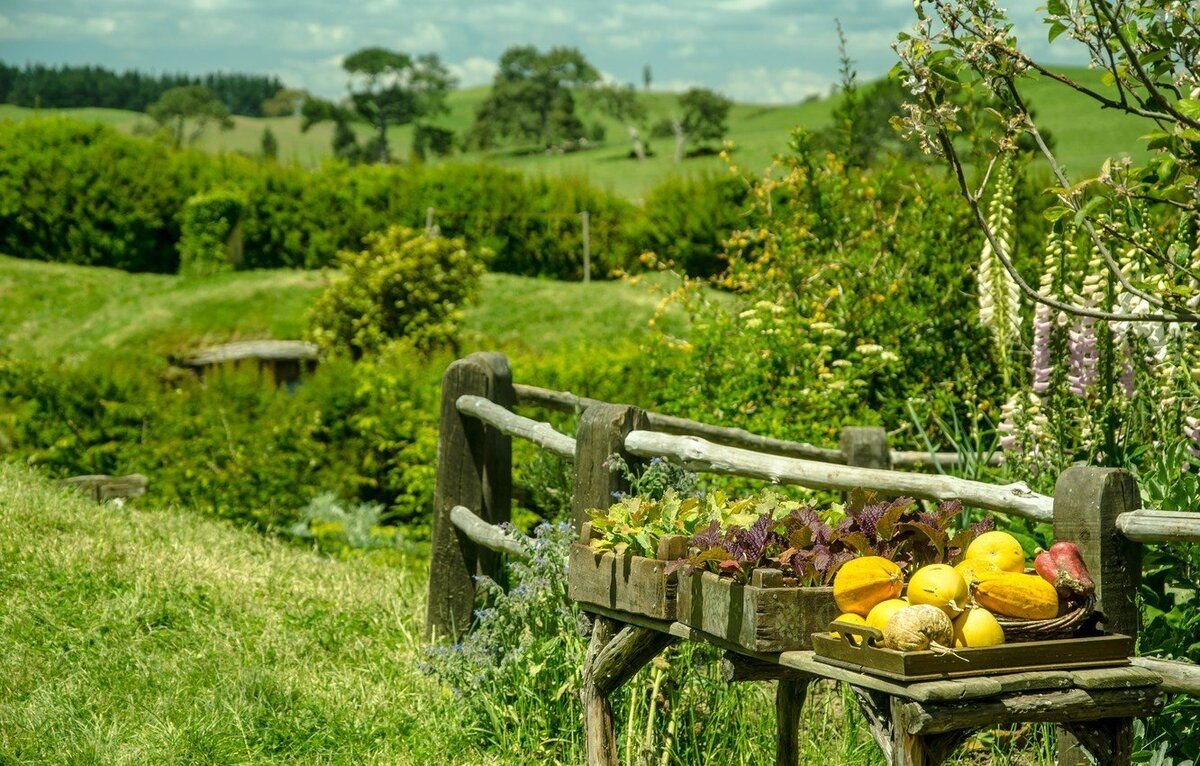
(616, 652)
(599, 728)
(1109, 740)
(790, 693)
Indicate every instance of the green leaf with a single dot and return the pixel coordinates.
(1189, 107)
(1056, 213)
(1056, 7)
(1056, 29)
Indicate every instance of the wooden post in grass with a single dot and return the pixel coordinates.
(474, 470)
(601, 434)
(1087, 502)
(587, 246)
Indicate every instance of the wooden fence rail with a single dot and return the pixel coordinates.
(698, 454)
(564, 401)
(510, 423)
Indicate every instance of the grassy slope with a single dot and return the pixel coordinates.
(141, 637)
(1085, 135)
(61, 310)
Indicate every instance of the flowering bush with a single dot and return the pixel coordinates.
(404, 285)
(851, 294)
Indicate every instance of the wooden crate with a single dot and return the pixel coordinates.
(764, 615)
(633, 584)
(863, 655)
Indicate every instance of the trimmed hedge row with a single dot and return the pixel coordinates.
(84, 193)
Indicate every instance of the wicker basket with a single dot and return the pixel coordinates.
(1080, 621)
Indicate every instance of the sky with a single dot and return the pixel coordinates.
(769, 51)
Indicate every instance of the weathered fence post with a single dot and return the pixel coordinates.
(865, 447)
(474, 469)
(601, 434)
(1087, 501)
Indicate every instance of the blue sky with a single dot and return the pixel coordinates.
(752, 50)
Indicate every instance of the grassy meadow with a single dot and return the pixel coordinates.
(62, 311)
(758, 132)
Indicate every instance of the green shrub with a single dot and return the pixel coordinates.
(211, 238)
(853, 296)
(404, 285)
(686, 220)
(82, 193)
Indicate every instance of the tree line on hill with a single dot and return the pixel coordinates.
(41, 85)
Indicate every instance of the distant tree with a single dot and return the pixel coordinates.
(622, 104)
(285, 103)
(189, 103)
(647, 77)
(432, 139)
(702, 116)
(345, 143)
(531, 98)
(72, 86)
(394, 88)
(270, 144)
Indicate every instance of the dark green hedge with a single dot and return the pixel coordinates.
(83, 193)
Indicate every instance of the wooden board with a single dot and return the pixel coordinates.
(625, 583)
(761, 616)
(632, 584)
(1111, 650)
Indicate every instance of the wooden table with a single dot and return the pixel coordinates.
(914, 724)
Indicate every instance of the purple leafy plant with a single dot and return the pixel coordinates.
(804, 545)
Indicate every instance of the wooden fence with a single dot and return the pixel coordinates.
(1098, 508)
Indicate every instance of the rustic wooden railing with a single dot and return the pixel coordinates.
(1098, 508)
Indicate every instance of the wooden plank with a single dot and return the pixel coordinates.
(474, 470)
(508, 422)
(102, 487)
(761, 619)
(624, 583)
(601, 435)
(486, 535)
(1160, 526)
(1087, 503)
(1178, 677)
(700, 455)
(1057, 706)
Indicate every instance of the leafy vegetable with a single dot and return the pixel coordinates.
(807, 546)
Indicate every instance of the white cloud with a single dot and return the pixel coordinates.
(312, 36)
(473, 71)
(423, 37)
(774, 86)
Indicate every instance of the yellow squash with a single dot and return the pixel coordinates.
(863, 582)
(1018, 595)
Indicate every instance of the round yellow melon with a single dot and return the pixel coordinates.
(977, 627)
(883, 611)
(1000, 549)
(863, 582)
(974, 570)
(853, 619)
(941, 586)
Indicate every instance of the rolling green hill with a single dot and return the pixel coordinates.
(59, 310)
(1085, 135)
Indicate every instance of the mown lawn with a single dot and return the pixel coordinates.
(61, 310)
(137, 636)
